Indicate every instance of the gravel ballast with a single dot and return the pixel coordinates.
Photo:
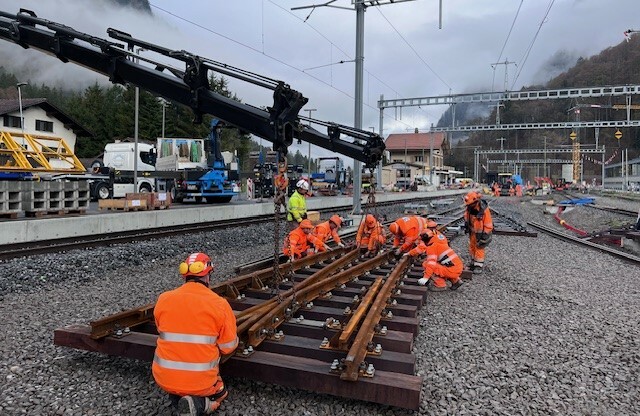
(550, 328)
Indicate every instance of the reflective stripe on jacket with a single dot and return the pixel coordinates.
(195, 326)
(298, 242)
(296, 207)
(411, 227)
(324, 232)
(439, 255)
(480, 222)
(370, 237)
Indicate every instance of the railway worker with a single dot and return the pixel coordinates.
(442, 262)
(297, 205)
(301, 241)
(370, 236)
(479, 226)
(326, 230)
(406, 231)
(196, 329)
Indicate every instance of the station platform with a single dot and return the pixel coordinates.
(40, 229)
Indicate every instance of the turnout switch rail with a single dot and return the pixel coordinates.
(336, 324)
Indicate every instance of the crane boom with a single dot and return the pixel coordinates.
(279, 124)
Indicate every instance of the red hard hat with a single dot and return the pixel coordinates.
(471, 197)
(306, 224)
(336, 220)
(197, 264)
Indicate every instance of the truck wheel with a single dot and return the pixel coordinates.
(198, 199)
(102, 191)
(145, 188)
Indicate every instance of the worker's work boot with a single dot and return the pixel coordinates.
(478, 270)
(455, 285)
(191, 406)
(212, 403)
(434, 288)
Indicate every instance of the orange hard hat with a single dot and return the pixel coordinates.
(472, 197)
(370, 220)
(336, 220)
(197, 264)
(306, 224)
(432, 224)
(394, 228)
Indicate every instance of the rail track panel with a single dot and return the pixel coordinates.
(336, 324)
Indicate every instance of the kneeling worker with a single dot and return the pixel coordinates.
(442, 262)
(301, 241)
(326, 230)
(195, 327)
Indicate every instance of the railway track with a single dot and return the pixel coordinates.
(337, 323)
(58, 245)
(584, 242)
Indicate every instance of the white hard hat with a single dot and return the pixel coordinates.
(302, 184)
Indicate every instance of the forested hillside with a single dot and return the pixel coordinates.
(618, 65)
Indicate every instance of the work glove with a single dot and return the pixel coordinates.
(423, 281)
(326, 247)
(397, 253)
(483, 239)
(340, 245)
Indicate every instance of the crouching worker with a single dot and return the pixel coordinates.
(442, 262)
(195, 328)
(370, 237)
(301, 241)
(326, 230)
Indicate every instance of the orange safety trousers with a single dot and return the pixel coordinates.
(370, 238)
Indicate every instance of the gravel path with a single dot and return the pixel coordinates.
(551, 329)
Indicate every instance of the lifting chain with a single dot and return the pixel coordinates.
(279, 201)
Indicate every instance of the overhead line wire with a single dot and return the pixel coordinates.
(413, 49)
(528, 51)
(267, 55)
(505, 43)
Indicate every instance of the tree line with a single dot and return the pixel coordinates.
(108, 112)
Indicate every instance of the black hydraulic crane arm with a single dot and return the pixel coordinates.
(279, 124)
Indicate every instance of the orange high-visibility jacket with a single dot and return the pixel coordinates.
(441, 259)
(297, 243)
(195, 326)
(370, 237)
(323, 232)
(410, 227)
(480, 222)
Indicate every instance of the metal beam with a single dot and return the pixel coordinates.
(541, 126)
(487, 97)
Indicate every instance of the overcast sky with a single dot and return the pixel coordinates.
(406, 53)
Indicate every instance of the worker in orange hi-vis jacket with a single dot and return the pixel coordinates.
(196, 331)
(479, 226)
(300, 242)
(370, 237)
(326, 230)
(518, 190)
(406, 231)
(442, 262)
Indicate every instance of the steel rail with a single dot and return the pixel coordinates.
(358, 351)
(572, 239)
(15, 250)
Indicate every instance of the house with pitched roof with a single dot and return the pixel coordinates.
(41, 119)
(411, 155)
